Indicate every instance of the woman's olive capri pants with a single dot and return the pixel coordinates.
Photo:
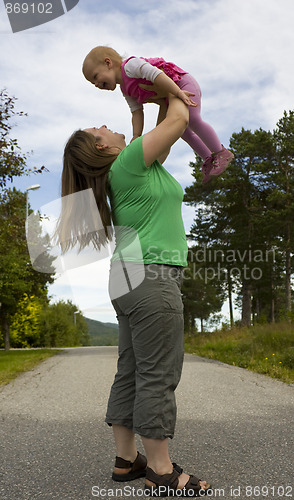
(151, 351)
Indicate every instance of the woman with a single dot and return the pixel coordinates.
(146, 198)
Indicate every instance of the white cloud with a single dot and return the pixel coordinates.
(86, 287)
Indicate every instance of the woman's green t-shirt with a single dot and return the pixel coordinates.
(146, 201)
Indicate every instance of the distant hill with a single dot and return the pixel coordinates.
(102, 333)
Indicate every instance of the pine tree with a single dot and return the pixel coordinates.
(232, 214)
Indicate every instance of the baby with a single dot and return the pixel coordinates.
(105, 69)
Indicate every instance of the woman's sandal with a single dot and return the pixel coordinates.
(138, 468)
(167, 485)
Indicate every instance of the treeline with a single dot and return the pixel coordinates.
(243, 231)
(36, 324)
(17, 277)
(27, 318)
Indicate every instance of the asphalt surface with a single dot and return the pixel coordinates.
(234, 428)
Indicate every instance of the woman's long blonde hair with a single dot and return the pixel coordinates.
(84, 167)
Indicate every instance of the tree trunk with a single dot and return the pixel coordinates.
(288, 281)
(5, 328)
(257, 308)
(246, 303)
(192, 324)
(272, 313)
(230, 300)
(288, 254)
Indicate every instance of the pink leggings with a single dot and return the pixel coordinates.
(199, 134)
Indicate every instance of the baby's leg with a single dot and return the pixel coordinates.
(196, 143)
(205, 141)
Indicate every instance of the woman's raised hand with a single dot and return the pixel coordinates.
(184, 95)
(160, 93)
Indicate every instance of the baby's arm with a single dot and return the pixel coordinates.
(137, 122)
(137, 116)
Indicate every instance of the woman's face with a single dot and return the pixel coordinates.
(106, 137)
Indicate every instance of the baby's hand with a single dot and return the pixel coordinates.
(184, 95)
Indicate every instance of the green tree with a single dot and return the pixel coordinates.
(12, 160)
(202, 290)
(232, 213)
(17, 276)
(282, 198)
(25, 324)
(62, 325)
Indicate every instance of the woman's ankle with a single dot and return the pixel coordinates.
(161, 468)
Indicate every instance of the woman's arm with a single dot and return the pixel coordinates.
(164, 85)
(161, 116)
(158, 141)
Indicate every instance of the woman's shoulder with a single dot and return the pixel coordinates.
(131, 159)
(133, 148)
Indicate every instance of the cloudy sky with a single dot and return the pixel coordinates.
(241, 53)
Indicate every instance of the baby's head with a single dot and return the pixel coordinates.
(97, 65)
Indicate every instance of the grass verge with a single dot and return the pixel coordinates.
(266, 349)
(12, 363)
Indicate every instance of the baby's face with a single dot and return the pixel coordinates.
(102, 75)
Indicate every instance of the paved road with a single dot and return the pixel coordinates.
(234, 428)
